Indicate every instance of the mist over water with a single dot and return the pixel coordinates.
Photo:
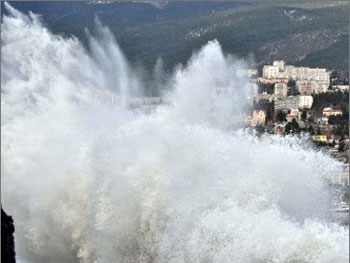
(87, 179)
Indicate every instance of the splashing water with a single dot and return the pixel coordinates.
(97, 182)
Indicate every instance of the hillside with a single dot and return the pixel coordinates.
(305, 34)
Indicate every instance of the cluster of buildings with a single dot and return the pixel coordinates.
(291, 91)
(294, 89)
(308, 80)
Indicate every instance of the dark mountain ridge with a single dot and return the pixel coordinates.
(264, 30)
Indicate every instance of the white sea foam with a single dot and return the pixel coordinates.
(97, 182)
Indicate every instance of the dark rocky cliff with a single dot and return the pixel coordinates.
(7, 238)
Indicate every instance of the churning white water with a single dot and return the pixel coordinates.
(87, 180)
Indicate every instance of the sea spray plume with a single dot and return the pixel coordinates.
(211, 90)
(160, 78)
(93, 76)
(110, 59)
(89, 183)
(48, 85)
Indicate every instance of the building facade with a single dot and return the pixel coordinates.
(306, 87)
(319, 138)
(327, 112)
(258, 118)
(320, 77)
(280, 90)
(271, 72)
(291, 102)
(305, 101)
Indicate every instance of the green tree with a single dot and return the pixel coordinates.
(318, 131)
(303, 115)
(295, 126)
(281, 116)
(288, 128)
(341, 146)
(338, 130)
(311, 130)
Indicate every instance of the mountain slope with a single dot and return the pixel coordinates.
(302, 34)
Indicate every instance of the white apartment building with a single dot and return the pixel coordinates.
(322, 86)
(258, 118)
(280, 90)
(306, 101)
(280, 64)
(294, 102)
(320, 76)
(306, 87)
(306, 73)
(271, 72)
(291, 102)
(265, 96)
